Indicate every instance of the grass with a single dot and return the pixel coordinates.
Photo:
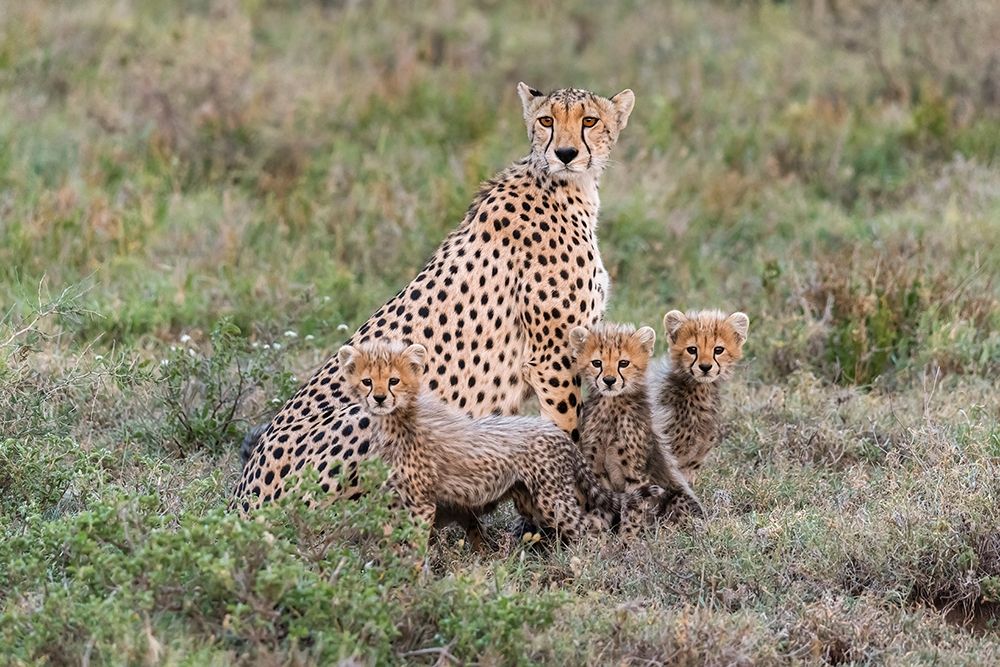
(200, 200)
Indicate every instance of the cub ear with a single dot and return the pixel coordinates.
(578, 338)
(623, 101)
(672, 322)
(647, 338)
(741, 325)
(347, 355)
(527, 95)
(415, 355)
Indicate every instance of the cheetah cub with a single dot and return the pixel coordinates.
(617, 435)
(705, 347)
(441, 457)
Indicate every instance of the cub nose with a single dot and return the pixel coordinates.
(705, 368)
(566, 154)
(610, 381)
(379, 398)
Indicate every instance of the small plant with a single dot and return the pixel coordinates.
(203, 394)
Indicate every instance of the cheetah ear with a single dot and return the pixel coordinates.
(415, 355)
(527, 95)
(672, 321)
(578, 338)
(647, 339)
(741, 324)
(623, 101)
(347, 355)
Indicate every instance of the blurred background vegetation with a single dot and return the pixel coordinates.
(200, 199)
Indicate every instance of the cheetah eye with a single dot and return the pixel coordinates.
(393, 382)
(596, 363)
(692, 350)
(720, 349)
(623, 363)
(367, 382)
(589, 121)
(545, 121)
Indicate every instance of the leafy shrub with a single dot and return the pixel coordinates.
(123, 571)
(332, 583)
(203, 394)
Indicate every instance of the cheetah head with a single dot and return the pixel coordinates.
(383, 376)
(611, 359)
(573, 131)
(706, 345)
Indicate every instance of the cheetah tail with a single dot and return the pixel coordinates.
(250, 441)
(679, 502)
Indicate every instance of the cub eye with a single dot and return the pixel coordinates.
(545, 121)
(692, 350)
(623, 363)
(589, 121)
(596, 363)
(720, 349)
(393, 382)
(367, 382)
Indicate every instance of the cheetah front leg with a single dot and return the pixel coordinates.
(416, 499)
(557, 388)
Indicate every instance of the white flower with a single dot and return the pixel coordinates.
(291, 334)
(192, 352)
(342, 327)
(255, 345)
(276, 346)
(185, 338)
(266, 346)
(310, 337)
(164, 362)
(326, 299)
(276, 400)
(98, 357)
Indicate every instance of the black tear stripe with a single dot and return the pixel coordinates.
(583, 138)
(545, 152)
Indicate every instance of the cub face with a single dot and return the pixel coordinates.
(573, 131)
(611, 359)
(706, 344)
(381, 376)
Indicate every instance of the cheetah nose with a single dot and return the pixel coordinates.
(566, 154)
(379, 398)
(705, 368)
(610, 381)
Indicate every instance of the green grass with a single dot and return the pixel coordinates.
(199, 201)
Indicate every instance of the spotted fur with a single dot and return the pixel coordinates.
(705, 347)
(439, 456)
(493, 306)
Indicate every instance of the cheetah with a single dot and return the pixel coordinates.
(493, 306)
(705, 347)
(616, 431)
(439, 456)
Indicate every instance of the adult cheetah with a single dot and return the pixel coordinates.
(493, 306)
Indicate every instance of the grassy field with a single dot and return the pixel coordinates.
(199, 200)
